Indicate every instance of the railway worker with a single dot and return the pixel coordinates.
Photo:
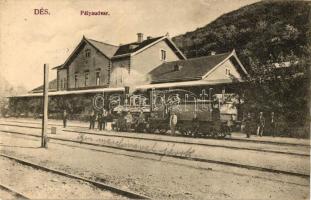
(128, 120)
(92, 120)
(272, 124)
(243, 123)
(104, 119)
(65, 116)
(100, 121)
(109, 121)
(195, 125)
(261, 124)
(141, 121)
(247, 125)
(173, 122)
(230, 123)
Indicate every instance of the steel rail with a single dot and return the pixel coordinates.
(113, 189)
(250, 167)
(16, 194)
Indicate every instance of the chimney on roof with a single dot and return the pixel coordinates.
(149, 37)
(140, 37)
(213, 53)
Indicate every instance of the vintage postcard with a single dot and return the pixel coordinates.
(157, 99)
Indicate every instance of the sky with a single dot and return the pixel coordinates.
(27, 41)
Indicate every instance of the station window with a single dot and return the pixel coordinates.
(163, 54)
(61, 84)
(97, 78)
(88, 53)
(227, 71)
(76, 80)
(86, 78)
(65, 83)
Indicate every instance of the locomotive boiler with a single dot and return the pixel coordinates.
(197, 115)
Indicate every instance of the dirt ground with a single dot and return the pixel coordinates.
(38, 184)
(158, 179)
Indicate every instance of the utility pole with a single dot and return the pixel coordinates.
(45, 106)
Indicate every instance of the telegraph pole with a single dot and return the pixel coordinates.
(45, 106)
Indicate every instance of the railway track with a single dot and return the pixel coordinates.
(249, 167)
(116, 190)
(170, 141)
(13, 192)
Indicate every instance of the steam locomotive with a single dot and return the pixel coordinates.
(197, 115)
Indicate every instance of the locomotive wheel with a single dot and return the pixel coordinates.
(221, 135)
(191, 132)
(214, 133)
(184, 131)
(151, 129)
(162, 130)
(188, 132)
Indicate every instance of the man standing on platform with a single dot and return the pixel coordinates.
(65, 118)
(92, 120)
(261, 124)
(104, 119)
(173, 122)
(129, 120)
(100, 121)
(272, 124)
(247, 121)
(141, 122)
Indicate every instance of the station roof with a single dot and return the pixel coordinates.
(190, 69)
(52, 87)
(114, 52)
(127, 48)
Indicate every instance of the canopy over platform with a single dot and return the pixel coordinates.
(186, 84)
(70, 92)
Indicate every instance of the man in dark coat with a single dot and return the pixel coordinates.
(65, 116)
(272, 124)
(141, 122)
(100, 121)
(92, 120)
(247, 123)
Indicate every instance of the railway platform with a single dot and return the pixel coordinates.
(83, 126)
(271, 162)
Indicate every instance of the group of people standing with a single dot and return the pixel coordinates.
(102, 117)
(249, 125)
(261, 125)
(126, 121)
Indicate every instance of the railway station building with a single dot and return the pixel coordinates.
(155, 63)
